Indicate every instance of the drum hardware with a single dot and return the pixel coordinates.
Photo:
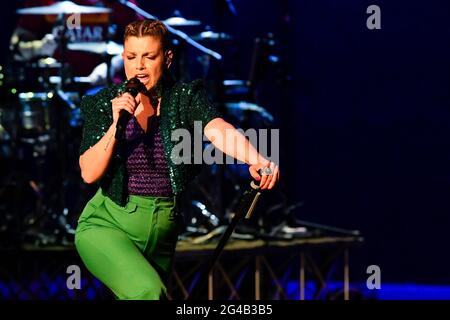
(110, 48)
(34, 113)
(177, 20)
(38, 140)
(174, 31)
(209, 35)
(242, 108)
(79, 80)
(63, 7)
(40, 147)
(47, 119)
(107, 50)
(202, 218)
(212, 68)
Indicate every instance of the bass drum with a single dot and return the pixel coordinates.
(45, 112)
(34, 113)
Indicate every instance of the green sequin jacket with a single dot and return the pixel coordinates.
(181, 105)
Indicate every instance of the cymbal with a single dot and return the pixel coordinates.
(111, 48)
(47, 63)
(212, 36)
(64, 7)
(238, 107)
(57, 80)
(178, 21)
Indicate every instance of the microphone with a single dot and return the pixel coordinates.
(133, 87)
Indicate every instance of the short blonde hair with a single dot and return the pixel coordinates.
(152, 28)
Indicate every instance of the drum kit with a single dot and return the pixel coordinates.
(41, 192)
(40, 130)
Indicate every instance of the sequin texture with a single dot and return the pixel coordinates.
(181, 105)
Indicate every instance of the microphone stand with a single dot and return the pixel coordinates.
(244, 209)
(179, 33)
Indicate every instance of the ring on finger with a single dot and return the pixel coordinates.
(266, 171)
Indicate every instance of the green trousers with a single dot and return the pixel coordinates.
(130, 249)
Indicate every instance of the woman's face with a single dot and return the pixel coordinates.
(144, 58)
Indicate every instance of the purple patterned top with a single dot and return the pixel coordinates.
(148, 173)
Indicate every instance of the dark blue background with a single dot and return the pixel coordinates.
(364, 120)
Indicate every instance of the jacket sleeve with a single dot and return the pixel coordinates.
(94, 110)
(201, 107)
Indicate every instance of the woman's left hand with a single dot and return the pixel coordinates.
(270, 173)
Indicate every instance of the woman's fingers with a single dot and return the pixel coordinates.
(127, 100)
(138, 99)
(124, 102)
(128, 97)
(270, 174)
(265, 177)
(254, 173)
(275, 177)
(128, 109)
(270, 178)
(125, 106)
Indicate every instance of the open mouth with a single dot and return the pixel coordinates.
(144, 78)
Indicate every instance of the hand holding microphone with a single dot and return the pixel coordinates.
(125, 105)
(122, 105)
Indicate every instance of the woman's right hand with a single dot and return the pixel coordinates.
(124, 102)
